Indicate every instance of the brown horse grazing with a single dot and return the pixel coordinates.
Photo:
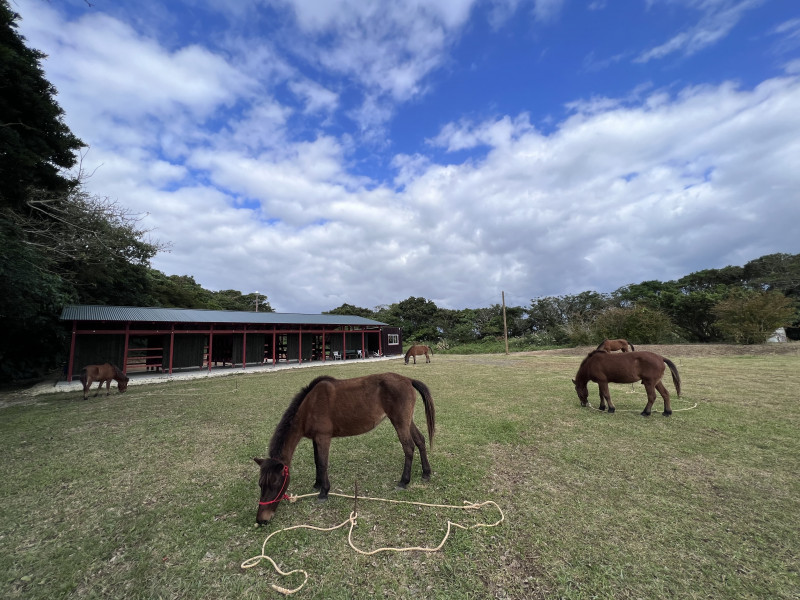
(604, 368)
(104, 374)
(419, 350)
(329, 408)
(612, 345)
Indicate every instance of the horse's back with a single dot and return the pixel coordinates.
(345, 407)
(626, 367)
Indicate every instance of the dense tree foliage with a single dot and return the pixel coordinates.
(35, 144)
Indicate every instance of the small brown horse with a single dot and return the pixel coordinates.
(604, 368)
(419, 350)
(104, 374)
(329, 408)
(612, 345)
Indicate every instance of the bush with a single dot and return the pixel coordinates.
(748, 317)
(637, 324)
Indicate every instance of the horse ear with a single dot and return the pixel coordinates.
(573, 381)
(259, 461)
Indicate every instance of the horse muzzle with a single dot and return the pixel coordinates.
(264, 515)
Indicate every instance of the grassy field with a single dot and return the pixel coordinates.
(153, 494)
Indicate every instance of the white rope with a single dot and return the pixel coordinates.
(352, 520)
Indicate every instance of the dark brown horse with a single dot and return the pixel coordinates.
(104, 374)
(329, 408)
(612, 345)
(604, 368)
(419, 350)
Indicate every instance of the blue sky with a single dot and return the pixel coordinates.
(324, 152)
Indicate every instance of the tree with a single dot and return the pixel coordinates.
(638, 324)
(567, 318)
(349, 309)
(35, 144)
(750, 317)
(418, 317)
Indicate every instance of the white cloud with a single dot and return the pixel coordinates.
(718, 18)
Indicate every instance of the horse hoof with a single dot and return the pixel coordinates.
(667, 413)
(644, 413)
(612, 410)
(426, 477)
(401, 486)
(317, 486)
(602, 408)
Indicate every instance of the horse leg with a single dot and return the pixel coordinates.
(406, 440)
(108, 387)
(605, 397)
(99, 385)
(665, 395)
(427, 358)
(651, 397)
(322, 448)
(419, 441)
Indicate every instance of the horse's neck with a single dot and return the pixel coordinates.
(285, 452)
(582, 376)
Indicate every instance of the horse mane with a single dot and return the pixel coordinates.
(601, 344)
(278, 440)
(118, 372)
(592, 353)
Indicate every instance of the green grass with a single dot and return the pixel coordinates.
(152, 494)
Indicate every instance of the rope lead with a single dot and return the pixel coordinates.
(352, 520)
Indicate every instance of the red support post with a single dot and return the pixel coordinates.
(210, 346)
(125, 352)
(171, 347)
(71, 364)
(244, 347)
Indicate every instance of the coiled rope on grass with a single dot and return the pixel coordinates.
(352, 520)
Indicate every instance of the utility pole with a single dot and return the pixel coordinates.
(505, 327)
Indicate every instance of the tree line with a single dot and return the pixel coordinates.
(733, 304)
(61, 245)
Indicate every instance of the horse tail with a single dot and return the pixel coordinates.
(84, 377)
(600, 347)
(676, 378)
(632, 348)
(430, 411)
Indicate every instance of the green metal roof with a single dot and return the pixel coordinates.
(193, 315)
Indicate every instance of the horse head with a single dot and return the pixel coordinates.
(122, 384)
(273, 480)
(583, 392)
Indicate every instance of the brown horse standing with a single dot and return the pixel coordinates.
(604, 368)
(104, 374)
(612, 345)
(329, 408)
(419, 350)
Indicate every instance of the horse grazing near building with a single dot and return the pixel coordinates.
(104, 373)
(612, 345)
(419, 350)
(329, 408)
(603, 368)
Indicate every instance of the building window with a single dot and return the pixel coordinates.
(394, 339)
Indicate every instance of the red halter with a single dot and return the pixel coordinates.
(281, 495)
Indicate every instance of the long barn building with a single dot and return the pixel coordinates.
(166, 339)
